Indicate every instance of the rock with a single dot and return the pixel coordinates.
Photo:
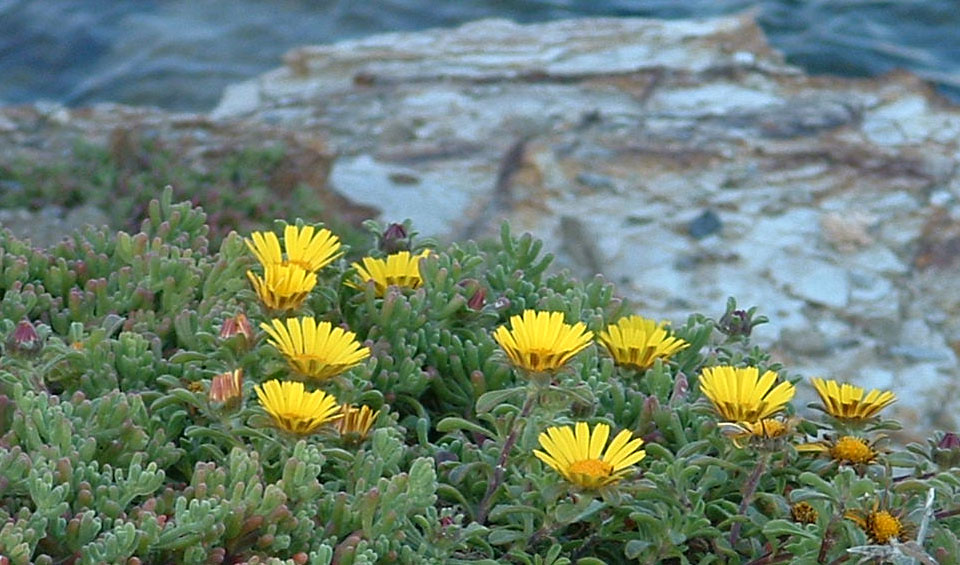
(707, 223)
(607, 138)
(813, 280)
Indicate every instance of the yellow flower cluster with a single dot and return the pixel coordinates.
(315, 350)
(289, 277)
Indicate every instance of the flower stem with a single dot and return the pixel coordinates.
(749, 490)
(501, 469)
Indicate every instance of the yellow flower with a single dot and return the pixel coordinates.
(761, 431)
(847, 450)
(541, 341)
(881, 526)
(308, 250)
(854, 450)
(283, 287)
(742, 394)
(399, 269)
(316, 350)
(355, 423)
(295, 410)
(847, 402)
(227, 387)
(576, 455)
(637, 342)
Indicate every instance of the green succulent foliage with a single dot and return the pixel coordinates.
(113, 450)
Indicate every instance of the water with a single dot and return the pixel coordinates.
(180, 54)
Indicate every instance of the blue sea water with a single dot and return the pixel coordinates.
(180, 54)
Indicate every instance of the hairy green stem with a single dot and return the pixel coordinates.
(501, 469)
(749, 490)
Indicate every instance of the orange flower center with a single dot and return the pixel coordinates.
(882, 526)
(591, 467)
(852, 450)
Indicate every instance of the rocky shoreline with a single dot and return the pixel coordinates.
(684, 160)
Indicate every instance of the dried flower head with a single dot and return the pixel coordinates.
(399, 269)
(283, 287)
(542, 341)
(742, 394)
(316, 350)
(804, 513)
(847, 402)
(227, 387)
(578, 455)
(295, 410)
(637, 342)
(308, 248)
(355, 423)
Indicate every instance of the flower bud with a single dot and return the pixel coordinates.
(24, 340)
(394, 239)
(651, 405)
(946, 452)
(735, 323)
(227, 388)
(478, 299)
(237, 325)
(949, 440)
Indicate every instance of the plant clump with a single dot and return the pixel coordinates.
(273, 400)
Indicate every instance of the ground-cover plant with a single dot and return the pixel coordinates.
(238, 191)
(274, 401)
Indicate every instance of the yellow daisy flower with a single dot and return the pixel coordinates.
(295, 410)
(742, 394)
(637, 342)
(283, 287)
(399, 269)
(847, 402)
(576, 454)
(355, 423)
(762, 431)
(542, 341)
(316, 350)
(845, 450)
(881, 526)
(306, 247)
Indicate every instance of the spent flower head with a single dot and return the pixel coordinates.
(542, 341)
(315, 349)
(579, 455)
(637, 342)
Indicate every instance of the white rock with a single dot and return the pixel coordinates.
(813, 280)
